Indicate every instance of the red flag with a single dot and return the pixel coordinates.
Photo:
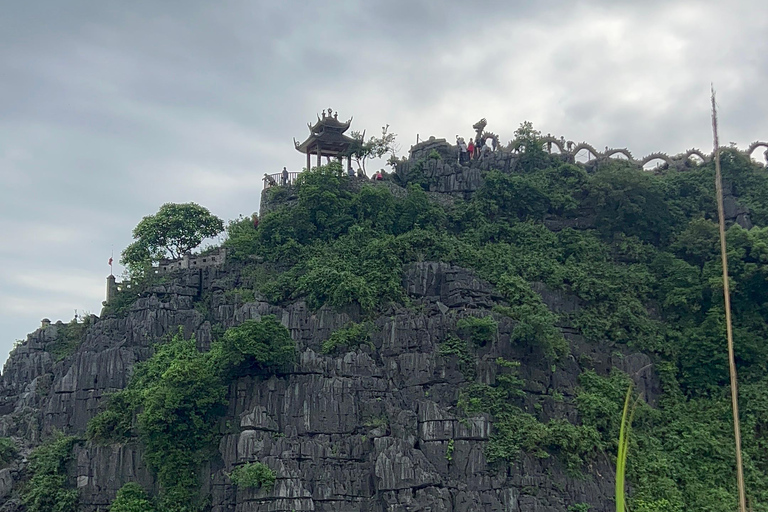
(110, 261)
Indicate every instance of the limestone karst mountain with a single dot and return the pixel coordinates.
(464, 335)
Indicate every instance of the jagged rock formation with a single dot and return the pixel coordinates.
(365, 430)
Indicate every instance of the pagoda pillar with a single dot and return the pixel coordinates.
(319, 163)
(309, 158)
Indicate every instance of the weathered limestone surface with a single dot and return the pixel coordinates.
(365, 430)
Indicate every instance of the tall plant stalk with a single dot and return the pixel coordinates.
(728, 325)
(621, 457)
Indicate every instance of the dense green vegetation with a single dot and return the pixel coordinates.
(255, 347)
(641, 257)
(176, 399)
(645, 269)
(48, 488)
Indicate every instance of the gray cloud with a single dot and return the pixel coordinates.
(108, 110)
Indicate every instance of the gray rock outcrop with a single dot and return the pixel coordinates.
(366, 430)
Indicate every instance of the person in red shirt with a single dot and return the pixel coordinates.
(471, 149)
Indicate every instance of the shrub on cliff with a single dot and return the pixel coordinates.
(182, 399)
(48, 488)
(536, 324)
(131, 498)
(116, 422)
(260, 346)
(351, 335)
(8, 451)
(479, 330)
(68, 337)
(253, 474)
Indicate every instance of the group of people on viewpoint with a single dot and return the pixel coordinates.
(470, 151)
(467, 152)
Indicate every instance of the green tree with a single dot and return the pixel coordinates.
(173, 231)
(511, 197)
(131, 498)
(630, 202)
(375, 147)
(242, 239)
(528, 142)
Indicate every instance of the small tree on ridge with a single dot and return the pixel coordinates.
(173, 231)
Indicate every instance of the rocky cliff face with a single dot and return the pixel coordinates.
(366, 430)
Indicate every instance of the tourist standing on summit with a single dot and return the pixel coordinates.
(471, 148)
(463, 151)
(285, 176)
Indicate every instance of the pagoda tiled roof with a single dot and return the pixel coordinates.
(328, 131)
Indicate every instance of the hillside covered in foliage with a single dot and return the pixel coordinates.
(385, 345)
(646, 272)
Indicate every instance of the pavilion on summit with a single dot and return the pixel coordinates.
(327, 139)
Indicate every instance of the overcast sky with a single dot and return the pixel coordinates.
(109, 109)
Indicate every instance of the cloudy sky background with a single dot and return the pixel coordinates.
(109, 109)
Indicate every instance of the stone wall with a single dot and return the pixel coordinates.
(193, 261)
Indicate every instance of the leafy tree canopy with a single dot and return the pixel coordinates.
(173, 231)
